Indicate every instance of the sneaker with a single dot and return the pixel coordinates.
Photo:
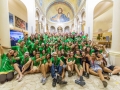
(41, 80)
(59, 79)
(84, 73)
(104, 83)
(87, 75)
(54, 82)
(81, 78)
(81, 83)
(44, 81)
(63, 82)
(110, 74)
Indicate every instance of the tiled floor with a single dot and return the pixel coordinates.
(32, 82)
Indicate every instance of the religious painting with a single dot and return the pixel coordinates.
(60, 16)
(11, 19)
(60, 12)
(20, 23)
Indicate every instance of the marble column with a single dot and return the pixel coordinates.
(4, 23)
(115, 49)
(80, 27)
(40, 27)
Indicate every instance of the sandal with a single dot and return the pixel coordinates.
(107, 77)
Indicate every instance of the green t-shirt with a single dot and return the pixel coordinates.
(24, 60)
(21, 50)
(44, 61)
(55, 62)
(62, 47)
(27, 42)
(67, 48)
(63, 59)
(84, 37)
(48, 50)
(34, 62)
(71, 59)
(92, 51)
(41, 49)
(77, 60)
(6, 64)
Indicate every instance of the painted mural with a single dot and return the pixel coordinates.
(60, 16)
(59, 12)
(20, 23)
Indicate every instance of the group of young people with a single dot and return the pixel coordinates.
(56, 54)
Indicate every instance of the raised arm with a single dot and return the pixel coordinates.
(6, 47)
(1, 50)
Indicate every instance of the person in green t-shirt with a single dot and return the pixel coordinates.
(79, 69)
(70, 64)
(48, 49)
(44, 66)
(62, 46)
(42, 47)
(85, 63)
(25, 63)
(21, 48)
(34, 47)
(6, 66)
(35, 66)
(56, 65)
(17, 66)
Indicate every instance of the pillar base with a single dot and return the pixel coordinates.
(114, 58)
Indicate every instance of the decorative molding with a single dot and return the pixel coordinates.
(37, 3)
(80, 8)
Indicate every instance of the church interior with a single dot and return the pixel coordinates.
(51, 34)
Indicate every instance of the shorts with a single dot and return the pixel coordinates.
(35, 68)
(111, 67)
(96, 68)
(28, 69)
(79, 66)
(87, 61)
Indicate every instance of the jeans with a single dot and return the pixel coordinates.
(55, 69)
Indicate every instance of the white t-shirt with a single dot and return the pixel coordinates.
(107, 60)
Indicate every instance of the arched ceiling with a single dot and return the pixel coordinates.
(74, 4)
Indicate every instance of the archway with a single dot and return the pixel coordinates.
(102, 24)
(37, 22)
(52, 29)
(59, 29)
(67, 29)
(83, 17)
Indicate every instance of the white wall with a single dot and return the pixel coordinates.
(30, 4)
(90, 5)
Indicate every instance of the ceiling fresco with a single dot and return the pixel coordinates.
(60, 12)
(73, 3)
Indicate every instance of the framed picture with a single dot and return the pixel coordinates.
(11, 19)
(20, 23)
